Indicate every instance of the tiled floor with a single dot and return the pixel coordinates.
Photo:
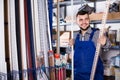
(109, 78)
(105, 78)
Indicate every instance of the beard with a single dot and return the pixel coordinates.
(84, 29)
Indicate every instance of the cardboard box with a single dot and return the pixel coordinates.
(111, 16)
(64, 38)
(117, 73)
(96, 16)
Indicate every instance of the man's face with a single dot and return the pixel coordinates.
(83, 21)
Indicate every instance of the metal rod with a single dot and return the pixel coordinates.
(58, 28)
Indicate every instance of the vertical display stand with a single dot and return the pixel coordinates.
(12, 40)
(23, 44)
(3, 68)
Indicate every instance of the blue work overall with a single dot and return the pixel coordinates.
(83, 59)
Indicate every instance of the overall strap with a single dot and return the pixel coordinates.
(93, 31)
(78, 37)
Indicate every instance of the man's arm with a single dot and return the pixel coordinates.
(104, 41)
(107, 44)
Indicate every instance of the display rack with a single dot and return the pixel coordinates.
(113, 17)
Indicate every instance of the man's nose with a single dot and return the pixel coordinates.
(84, 21)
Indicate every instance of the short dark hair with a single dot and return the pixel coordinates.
(81, 12)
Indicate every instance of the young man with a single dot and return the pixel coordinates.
(85, 44)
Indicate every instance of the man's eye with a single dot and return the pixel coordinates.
(87, 19)
(80, 19)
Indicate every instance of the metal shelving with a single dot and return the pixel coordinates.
(68, 3)
(108, 21)
(75, 2)
(92, 22)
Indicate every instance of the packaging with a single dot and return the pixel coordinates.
(111, 16)
(51, 64)
(58, 0)
(117, 73)
(64, 37)
(112, 34)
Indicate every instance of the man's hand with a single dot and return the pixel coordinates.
(71, 42)
(102, 40)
